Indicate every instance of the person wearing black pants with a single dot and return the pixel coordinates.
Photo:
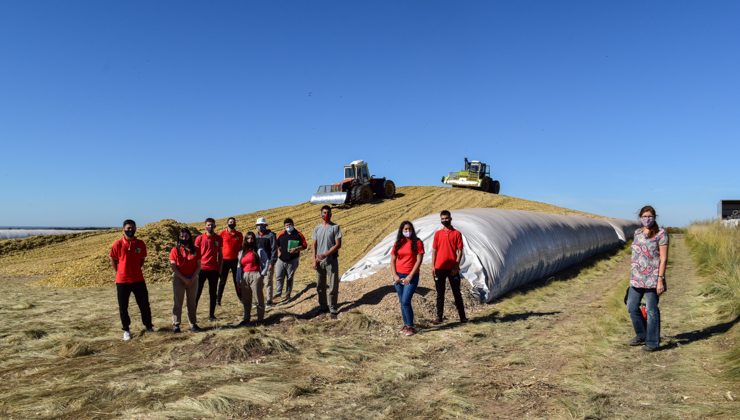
(440, 280)
(141, 295)
(212, 276)
(446, 255)
(226, 267)
(232, 243)
(127, 256)
(210, 245)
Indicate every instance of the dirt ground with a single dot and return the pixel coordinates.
(555, 350)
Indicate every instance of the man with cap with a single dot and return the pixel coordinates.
(268, 251)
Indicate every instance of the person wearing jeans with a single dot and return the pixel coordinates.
(446, 255)
(647, 278)
(406, 256)
(127, 257)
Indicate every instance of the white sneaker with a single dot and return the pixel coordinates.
(126, 336)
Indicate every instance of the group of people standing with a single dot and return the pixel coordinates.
(254, 258)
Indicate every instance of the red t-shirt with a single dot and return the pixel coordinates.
(250, 262)
(130, 256)
(232, 243)
(405, 258)
(185, 261)
(209, 246)
(446, 243)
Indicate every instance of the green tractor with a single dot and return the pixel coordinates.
(476, 175)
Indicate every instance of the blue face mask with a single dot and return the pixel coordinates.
(290, 229)
(647, 221)
(262, 229)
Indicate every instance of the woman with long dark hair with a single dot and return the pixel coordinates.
(647, 279)
(185, 263)
(251, 278)
(406, 256)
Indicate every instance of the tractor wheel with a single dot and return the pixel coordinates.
(366, 194)
(495, 187)
(485, 185)
(389, 189)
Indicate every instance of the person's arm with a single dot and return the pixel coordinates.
(394, 273)
(417, 264)
(661, 269)
(333, 250)
(177, 272)
(114, 264)
(274, 253)
(315, 257)
(220, 257)
(458, 256)
(196, 273)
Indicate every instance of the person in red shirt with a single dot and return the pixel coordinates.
(127, 257)
(232, 240)
(210, 245)
(185, 263)
(406, 255)
(446, 255)
(252, 279)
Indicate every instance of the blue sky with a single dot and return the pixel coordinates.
(184, 110)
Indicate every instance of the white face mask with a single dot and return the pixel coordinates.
(289, 229)
(407, 233)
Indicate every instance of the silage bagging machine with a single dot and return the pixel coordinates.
(358, 186)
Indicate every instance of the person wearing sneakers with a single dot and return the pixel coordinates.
(446, 255)
(327, 239)
(647, 279)
(210, 245)
(251, 281)
(127, 257)
(232, 240)
(406, 255)
(185, 263)
(290, 243)
(267, 250)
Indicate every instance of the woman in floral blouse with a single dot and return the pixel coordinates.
(649, 257)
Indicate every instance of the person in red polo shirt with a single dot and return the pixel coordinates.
(210, 245)
(185, 263)
(406, 255)
(232, 240)
(446, 254)
(127, 257)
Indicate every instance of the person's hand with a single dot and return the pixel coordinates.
(455, 271)
(315, 264)
(407, 280)
(396, 279)
(321, 257)
(661, 287)
(434, 273)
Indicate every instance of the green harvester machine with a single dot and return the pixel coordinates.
(476, 175)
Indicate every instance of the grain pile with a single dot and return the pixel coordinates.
(95, 269)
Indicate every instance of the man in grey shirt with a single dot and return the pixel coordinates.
(327, 239)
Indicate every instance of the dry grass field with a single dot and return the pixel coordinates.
(555, 350)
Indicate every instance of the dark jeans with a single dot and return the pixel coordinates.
(212, 277)
(124, 290)
(228, 265)
(405, 293)
(440, 282)
(648, 330)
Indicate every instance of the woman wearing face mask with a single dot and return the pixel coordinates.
(647, 278)
(251, 281)
(185, 263)
(406, 256)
